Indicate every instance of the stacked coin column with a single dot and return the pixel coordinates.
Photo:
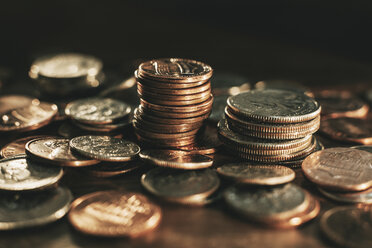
(175, 99)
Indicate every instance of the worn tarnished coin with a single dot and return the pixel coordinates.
(19, 174)
(17, 147)
(274, 106)
(176, 159)
(97, 110)
(180, 186)
(107, 169)
(363, 148)
(105, 148)
(257, 174)
(26, 209)
(114, 213)
(343, 169)
(56, 151)
(364, 197)
(348, 226)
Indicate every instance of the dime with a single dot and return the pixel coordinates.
(55, 151)
(363, 148)
(106, 169)
(26, 209)
(17, 147)
(274, 106)
(348, 226)
(364, 197)
(180, 186)
(343, 169)
(19, 173)
(105, 148)
(176, 159)
(114, 213)
(257, 174)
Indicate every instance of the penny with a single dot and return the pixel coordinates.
(363, 148)
(343, 169)
(180, 186)
(348, 226)
(105, 169)
(56, 151)
(165, 128)
(173, 103)
(157, 135)
(218, 108)
(364, 197)
(171, 95)
(257, 174)
(17, 147)
(105, 148)
(114, 213)
(97, 110)
(171, 91)
(176, 159)
(165, 143)
(19, 173)
(274, 106)
(27, 210)
(348, 129)
(176, 115)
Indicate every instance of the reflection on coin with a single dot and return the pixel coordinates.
(350, 197)
(176, 159)
(180, 186)
(114, 213)
(257, 174)
(17, 147)
(105, 148)
(343, 169)
(106, 169)
(348, 226)
(56, 151)
(26, 209)
(363, 148)
(19, 173)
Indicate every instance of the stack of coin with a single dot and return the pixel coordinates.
(270, 125)
(175, 99)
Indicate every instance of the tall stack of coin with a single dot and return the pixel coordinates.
(175, 99)
(270, 125)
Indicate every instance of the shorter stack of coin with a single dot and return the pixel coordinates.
(270, 125)
(175, 99)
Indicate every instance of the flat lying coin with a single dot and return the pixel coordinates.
(343, 169)
(176, 159)
(180, 186)
(33, 209)
(257, 174)
(105, 148)
(363, 148)
(348, 226)
(17, 147)
(19, 173)
(114, 213)
(364, 197)
(55, 151)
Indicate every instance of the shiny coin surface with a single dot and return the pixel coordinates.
(19, 173)
(17, 147)
(363, 148)
(97, 110)
(348, 226)
(343, 169)
(274, 106)
(26, 209)
(105, 148)
(176, 159)
(114, 213)
(180, 186)
(364, 197)
(56, 151)
(257, 174)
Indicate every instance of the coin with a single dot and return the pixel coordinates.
(19, 173)
(27, 210)
(11, 102)
(257, 174)
(158, 135)
(172, 95)
(173, 103)
(17, 147)
(343, 169)
(180, 186)
(363, 148)
(176, 159)
(348, 226)
(165, 143)
(165, 128)
(55, 151)
(97, 110)
(106, 169)
(274, 106)
(105, 148)
(364, 197)
(104, 128)
(172, 91)
(114, 213)
(176, 115)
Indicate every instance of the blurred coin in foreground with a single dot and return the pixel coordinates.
(17, 147)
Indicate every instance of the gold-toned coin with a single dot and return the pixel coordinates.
(364, 197)
(17, 147)
(114, 213)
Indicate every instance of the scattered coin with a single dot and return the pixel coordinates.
(17, 147)
(364, 197)
(114, 213)
(363, 148)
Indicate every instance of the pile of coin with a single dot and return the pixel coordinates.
(175, 99)
(270, 126)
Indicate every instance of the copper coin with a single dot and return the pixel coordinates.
(180, 102)
(17, 147)
(165, 128)
(343, 169)
(165, 143)
(56, 151)
(176, 115)
(364, 197)
(153, 135)
(348, 129)
(171, 91)
(114, 213)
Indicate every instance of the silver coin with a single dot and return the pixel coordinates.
(26, 210)
(180, 186)
(363, 148)
(105, 148)
(19, 173)
(97, 110)
(364, 197)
